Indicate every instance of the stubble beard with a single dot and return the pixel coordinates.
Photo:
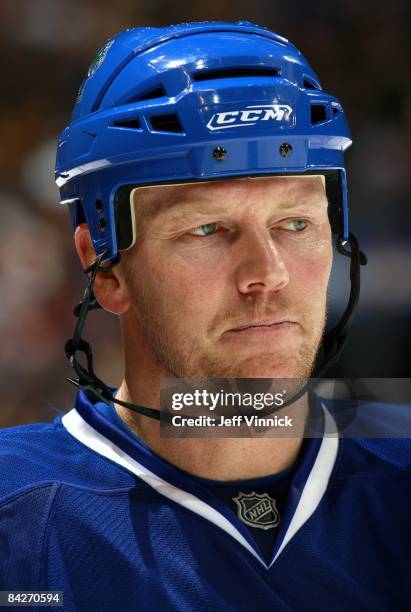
(183, 356)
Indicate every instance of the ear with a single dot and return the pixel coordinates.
(109, 287)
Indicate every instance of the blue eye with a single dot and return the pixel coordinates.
(208, 228)
(295, 225)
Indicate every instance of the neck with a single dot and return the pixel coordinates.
(222, 459)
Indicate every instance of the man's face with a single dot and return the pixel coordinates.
(211, 258)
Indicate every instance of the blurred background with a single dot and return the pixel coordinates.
(362, 55)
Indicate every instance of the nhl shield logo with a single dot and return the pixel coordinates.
(257, 510)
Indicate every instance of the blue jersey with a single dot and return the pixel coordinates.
(88, 509)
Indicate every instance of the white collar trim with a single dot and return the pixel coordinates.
(83, 432)
(316, 483)
(314, 488)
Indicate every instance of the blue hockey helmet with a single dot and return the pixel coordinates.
(195, 102)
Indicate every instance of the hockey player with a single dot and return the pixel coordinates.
(204, 171)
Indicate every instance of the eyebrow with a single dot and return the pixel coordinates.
(180, 208)
(153, 209)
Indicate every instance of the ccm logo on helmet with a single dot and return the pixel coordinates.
(249, 116)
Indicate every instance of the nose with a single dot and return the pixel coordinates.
(260, 265)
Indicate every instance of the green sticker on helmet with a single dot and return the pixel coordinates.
(98, 60)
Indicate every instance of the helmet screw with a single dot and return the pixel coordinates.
(219, 153)
(285, 149)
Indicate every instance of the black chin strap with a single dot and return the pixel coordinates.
(87, 379)
(332, 345)
(335, 338)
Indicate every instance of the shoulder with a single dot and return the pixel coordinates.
(375, 436)
(48, 481)
(32, 456)
(376, 457)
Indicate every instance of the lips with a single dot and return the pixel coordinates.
(263, 323)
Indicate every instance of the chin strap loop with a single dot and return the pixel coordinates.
(87, 378)
(88, 381)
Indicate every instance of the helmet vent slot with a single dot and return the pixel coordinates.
(158, 92)
(309, 84)
(228, 73)
(318, 113)
(166, 123)
(132, 124)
